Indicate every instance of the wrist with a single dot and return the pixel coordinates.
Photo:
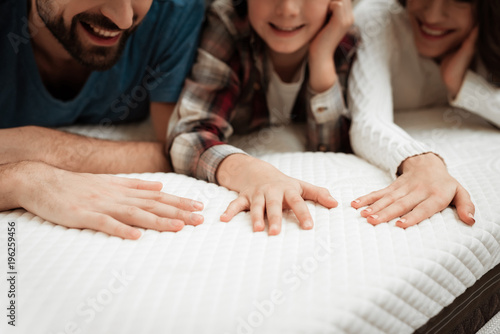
(453, 90)
(322, 75)
(232, 171)
(236, 170)
(426, 160)
(14, 183)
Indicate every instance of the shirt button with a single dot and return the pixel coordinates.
(256, 86)
(322, 148)
(321, 109)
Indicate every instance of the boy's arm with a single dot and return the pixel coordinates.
(323, 74)
(331, 54)
(200, 124)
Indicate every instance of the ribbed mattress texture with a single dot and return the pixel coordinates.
(344, 276)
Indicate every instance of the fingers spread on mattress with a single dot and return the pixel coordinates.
(424, 188)
(105, 203)
(266, 191)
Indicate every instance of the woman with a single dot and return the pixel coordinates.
(421, 54)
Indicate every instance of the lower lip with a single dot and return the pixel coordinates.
(282, 33)
(101, 41)
(431, 37)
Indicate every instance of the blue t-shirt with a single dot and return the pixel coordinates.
(152, 68)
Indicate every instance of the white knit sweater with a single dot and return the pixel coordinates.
(389, 76)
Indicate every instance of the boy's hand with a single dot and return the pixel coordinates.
(424, 188)
(322, 48)
(101, 202)
(264, 189)
(454, 66)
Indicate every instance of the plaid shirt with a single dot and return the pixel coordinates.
(226, 93)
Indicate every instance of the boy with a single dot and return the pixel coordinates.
(262, 63)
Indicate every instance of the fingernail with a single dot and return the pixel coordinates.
(331, 199)
(195, 218)
(273, 230)
(368, 210)
(374, 217)
(472, 217)
(178, 224)
(197, 205)
(136, 234)
(356, 201)
(258, 227)
(308, 224)
(401, 221)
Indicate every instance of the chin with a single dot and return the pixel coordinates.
(427, 52)
(285, 49)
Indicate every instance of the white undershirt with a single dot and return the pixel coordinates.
(281, 95)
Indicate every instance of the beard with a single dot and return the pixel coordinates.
(96, 58)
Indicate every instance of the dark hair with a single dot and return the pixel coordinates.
(241, 8)
(487, 14)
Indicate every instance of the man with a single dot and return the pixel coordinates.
(99, 62)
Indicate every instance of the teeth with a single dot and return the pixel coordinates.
(104, 33)
(287, 29)
(433, 32)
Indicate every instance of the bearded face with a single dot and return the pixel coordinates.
(93, 32)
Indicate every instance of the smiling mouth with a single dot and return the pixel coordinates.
(433, 32)
(99, 32)
(286, 29)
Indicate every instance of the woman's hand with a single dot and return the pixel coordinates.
(424, 188)
(322, 48)
(455, 66)
(264, 189)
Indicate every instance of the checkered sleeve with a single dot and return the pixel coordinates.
(325, 123)
(200, 125)
(323, 117)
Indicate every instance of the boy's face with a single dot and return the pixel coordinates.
(94, 32)
(287, 26)
(439, 26)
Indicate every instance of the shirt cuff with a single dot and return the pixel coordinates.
(405, 152)
(468, 97)
(327, 106)
(210, 160)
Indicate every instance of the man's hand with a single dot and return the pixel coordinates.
(424, 188)
(322, 48)
(455, 66)
(100, 202)
(264, 189)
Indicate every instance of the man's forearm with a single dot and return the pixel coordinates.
(9, 174)
(80, 154)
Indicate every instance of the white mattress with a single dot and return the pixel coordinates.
(344, 276)
(492, 326)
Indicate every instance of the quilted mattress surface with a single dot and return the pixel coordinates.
(344, 276)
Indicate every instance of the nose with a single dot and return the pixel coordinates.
(435, 11)
(288, 8)
(120, 12)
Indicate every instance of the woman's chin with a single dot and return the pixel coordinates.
(432, 53)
